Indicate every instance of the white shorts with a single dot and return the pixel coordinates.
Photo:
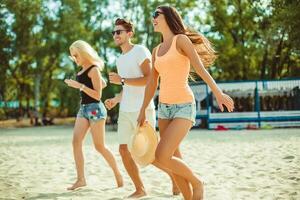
(127, 124)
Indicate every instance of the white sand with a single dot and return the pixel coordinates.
(37, 163)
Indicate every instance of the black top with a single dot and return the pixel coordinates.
(85, 79)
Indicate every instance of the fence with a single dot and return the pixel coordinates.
(262, 103)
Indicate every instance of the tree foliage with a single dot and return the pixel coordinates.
(254, 39)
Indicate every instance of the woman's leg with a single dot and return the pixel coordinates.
(169, 142)
(80, 129)
(183, 185)
(98, 134)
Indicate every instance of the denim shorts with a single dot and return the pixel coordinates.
(92, 111)
(172, 111)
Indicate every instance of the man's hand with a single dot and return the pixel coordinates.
(115, 78)
(141, 120)
(110, 103)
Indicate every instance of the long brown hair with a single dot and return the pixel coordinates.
(201, 43)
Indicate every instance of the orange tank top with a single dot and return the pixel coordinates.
(173, 69)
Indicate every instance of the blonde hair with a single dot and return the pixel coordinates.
(87, 51)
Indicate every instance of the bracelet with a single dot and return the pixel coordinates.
(82, 87)
(122, 81)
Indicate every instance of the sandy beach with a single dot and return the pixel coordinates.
(37, 163)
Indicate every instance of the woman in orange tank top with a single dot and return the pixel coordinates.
(176, 113)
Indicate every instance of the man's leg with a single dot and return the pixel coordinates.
(125, 131)
(132, 171)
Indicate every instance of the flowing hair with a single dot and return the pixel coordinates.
(201, 43)
(87, 51)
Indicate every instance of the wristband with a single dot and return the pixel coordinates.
(82, 87)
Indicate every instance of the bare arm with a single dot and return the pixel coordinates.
(186, 47)
(118, 97)
(146, 70)
(149, 91)
(95, 76)
(151, 85)
(103, 83)
(112, 102)
(140, 81)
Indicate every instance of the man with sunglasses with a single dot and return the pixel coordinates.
(134, 68)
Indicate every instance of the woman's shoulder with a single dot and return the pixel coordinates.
(183, 42)
(182, 38)
(94, 70)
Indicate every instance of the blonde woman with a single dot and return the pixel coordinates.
(92, 112)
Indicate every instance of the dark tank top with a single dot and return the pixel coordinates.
(85, 79)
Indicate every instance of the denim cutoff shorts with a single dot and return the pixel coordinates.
(92, 111)
(172, 111)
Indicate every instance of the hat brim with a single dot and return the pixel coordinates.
(146, 159)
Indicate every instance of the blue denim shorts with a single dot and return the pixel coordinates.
(92, 111)
(172, 111)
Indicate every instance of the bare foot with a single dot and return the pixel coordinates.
(77, 184)
(119, 179)
(198, 192)
(137, 194)
(175, 190)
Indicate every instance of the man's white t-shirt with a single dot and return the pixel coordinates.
(128, 66)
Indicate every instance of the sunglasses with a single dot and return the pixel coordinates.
(118, 32)
(156, 14)
(72, 58)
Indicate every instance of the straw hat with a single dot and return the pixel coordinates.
(143, 144)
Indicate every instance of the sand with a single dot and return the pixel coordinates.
(37, 163)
